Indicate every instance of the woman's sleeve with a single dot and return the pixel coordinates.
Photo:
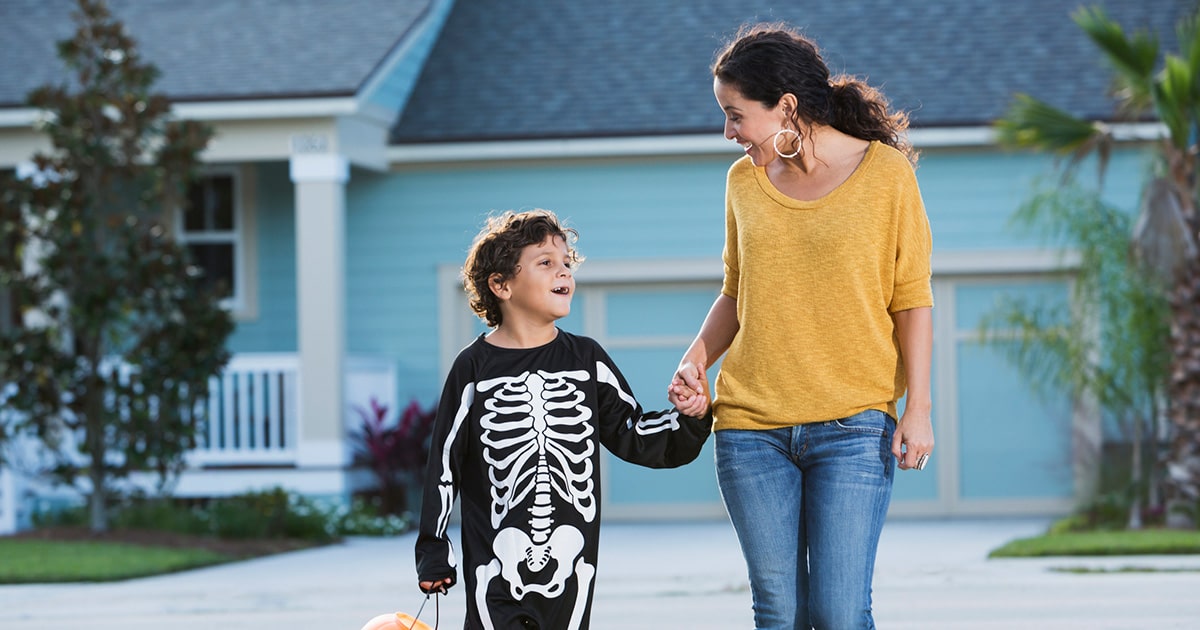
(914, 244)
(729, 254)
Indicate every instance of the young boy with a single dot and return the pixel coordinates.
(523, 412)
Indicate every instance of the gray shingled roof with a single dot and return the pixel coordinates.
(219, 49)
(570, 68)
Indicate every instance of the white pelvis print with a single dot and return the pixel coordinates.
(538, 444)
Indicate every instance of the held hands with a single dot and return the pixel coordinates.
(688, 390)
(913, 442)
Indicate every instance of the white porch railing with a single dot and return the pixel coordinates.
(251, 414)
(248, 430)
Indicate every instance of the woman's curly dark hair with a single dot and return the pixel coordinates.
(497, 249)
(766, 61)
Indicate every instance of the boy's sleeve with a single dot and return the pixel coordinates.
(655, 439)
(434, 553)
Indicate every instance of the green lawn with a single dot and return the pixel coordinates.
(36, 561)
(1103, 543)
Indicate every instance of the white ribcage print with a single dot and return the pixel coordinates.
(537, 441)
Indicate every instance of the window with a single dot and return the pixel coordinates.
(213, 230)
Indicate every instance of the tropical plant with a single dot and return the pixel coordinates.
(1166, 86)
(1107, 344)
(120, 333)
(396, 451)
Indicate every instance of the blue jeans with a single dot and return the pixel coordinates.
(808, 504)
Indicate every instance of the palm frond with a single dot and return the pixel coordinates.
(1132, 57)
(1188, 32)
(1030, 123)
(1176, 94)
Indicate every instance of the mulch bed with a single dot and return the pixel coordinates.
(247, 548)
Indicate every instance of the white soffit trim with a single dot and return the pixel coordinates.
(568, 147)
(230, 110)
(683, 145)
(267, 109)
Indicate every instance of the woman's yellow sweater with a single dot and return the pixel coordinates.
(815, 284)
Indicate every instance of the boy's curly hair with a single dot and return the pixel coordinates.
(497, 248)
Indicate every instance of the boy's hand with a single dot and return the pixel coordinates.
(440, 586)
(687, 400)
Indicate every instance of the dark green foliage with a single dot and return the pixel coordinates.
(161, 514)
(268, 514)
(273, 513)
(119, 334)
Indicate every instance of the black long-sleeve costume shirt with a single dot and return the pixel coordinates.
(517, 436)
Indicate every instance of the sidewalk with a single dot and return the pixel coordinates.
(930, 575)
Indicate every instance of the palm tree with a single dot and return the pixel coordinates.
(1165, 86)
(1105, 346)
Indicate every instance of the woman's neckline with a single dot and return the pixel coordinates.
(787, 200)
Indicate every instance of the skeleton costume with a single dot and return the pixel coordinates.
(517, 434)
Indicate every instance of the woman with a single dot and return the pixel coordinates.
(825, 313)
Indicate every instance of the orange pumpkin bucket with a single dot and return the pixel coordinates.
(395, 621)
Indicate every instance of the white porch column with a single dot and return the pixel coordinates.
(320, 184)
(8, 502)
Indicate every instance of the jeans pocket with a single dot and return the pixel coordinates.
(871, 421)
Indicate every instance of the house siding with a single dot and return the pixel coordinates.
(274, 329)
(971, 195)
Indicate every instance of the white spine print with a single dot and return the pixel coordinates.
(537, 439)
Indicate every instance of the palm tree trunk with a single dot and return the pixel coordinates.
(1182, 482)
(1135, 476)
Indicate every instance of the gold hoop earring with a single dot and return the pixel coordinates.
(775, 143)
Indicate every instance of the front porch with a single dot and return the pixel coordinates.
(252, 437)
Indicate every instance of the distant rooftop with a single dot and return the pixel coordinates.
(505, 69)
(603, 68)
(218, 49)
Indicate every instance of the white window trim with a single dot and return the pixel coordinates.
(244, 303)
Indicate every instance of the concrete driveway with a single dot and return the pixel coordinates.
(655, 576)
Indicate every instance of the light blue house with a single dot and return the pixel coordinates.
(361, 143)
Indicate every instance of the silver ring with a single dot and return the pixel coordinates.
(921, 461)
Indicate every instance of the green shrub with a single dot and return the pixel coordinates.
(57, 513)
(1108, 511)
(273, 513)
(160, 514)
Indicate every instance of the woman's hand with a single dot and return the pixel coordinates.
(913, 443)
(913, 439)
(688, 389)
(716, 333)
(688, 400)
